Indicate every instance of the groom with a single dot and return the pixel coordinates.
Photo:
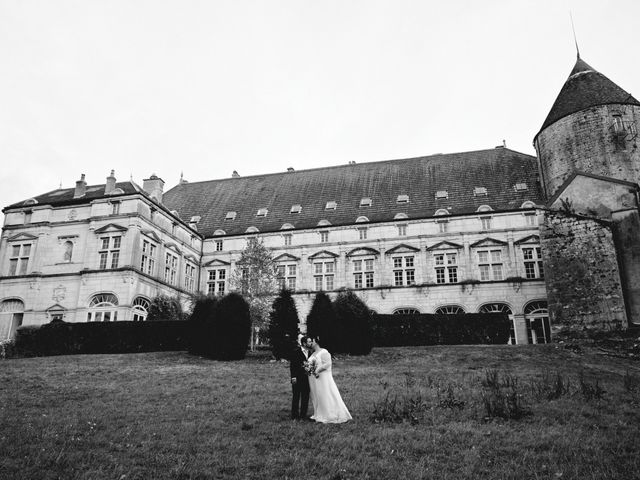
(299, 380)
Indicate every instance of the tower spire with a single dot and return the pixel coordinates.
(574, 35)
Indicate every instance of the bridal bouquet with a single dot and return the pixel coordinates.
(310, 368)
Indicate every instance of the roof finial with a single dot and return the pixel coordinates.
(574, 35)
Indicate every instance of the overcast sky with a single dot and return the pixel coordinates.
(208, 87)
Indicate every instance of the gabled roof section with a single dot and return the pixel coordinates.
(361, 251)
(22, 236)
(323, 254)
(585, 87)
(285, 257)
(402, 248)
(419, 178)
(529, 239)
(64, 196)
(111, 227)
(216, 262)
(488, 242)
(444, 246)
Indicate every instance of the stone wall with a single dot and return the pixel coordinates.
(582, 278)
(626, 228)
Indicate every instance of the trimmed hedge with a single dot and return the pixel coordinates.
(431, 329)
(64, 338)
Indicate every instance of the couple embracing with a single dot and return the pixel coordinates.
(311, 377)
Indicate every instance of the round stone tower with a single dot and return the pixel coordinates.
(591, 128)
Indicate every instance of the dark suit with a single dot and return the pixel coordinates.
(300, 401)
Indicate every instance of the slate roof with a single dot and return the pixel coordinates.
(420, 178)
(64, 196)
(585, 87)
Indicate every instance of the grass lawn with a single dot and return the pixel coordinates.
(419, 412)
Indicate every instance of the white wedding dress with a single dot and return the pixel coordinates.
(328, 406)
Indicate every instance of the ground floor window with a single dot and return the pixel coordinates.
(449, 310)
(102, 308)
(11, 313)
(536, 316)
(406, 311)
(140, 309)
(501, 308)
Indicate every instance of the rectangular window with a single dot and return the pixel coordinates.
(218, 244)
(531, 219)
(287, 239)
(217, 281)
(403, 273)
(490, 264)
(362, 233)
(323, 275)
(533, 262)
(446, 267)
(19, 259)
(148, 263)
(189, 277)
(324, 237)
(363, 273)
(402, 230)
(109, 252)
(485, 223)
(115, 208)
(170, 268)
(27, 217)
(286, 276)
(442, 227)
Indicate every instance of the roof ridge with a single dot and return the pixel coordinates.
(376, 162)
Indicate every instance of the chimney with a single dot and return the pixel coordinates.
(81, 187)
(235, 174)
(153, 186)
(290, 169)
(110, 186)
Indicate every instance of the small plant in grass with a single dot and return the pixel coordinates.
(630, 382)
(590, 390)
(550, 387)
(447, 398)
(501, 396)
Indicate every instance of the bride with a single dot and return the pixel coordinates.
(328, 406)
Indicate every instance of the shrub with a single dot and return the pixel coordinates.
(164, 308)
(590, 391)
(99, 337)
(429, 329)
(322, 322)
(354, 318)
(550, 388)
(283, 324)
(200, 324)
(230, 329)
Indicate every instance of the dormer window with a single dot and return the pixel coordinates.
(519, 187)
(365, 202)
(441, 211)
(484, 208)
(480, 192)
(402, 199)
(331, 205)
(441, 194)
(262, 212)
(230, 216)
(295, 209)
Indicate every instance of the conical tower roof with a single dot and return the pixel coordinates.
(585, 88)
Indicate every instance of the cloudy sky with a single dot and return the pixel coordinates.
(207, 87)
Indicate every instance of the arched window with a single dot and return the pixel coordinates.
(140, 309)
(501, 308)
(102, 308)
(449, 310)
(11, 313)
(536, 317)
(68, 251)
(406, 311)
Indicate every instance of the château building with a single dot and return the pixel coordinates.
(551, 240)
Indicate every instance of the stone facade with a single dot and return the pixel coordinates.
(581, 274)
